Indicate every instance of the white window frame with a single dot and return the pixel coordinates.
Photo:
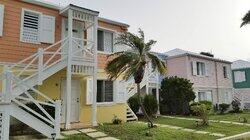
(237, 79)
(113, 35)
(205, 92)
(200, 71)
(39, 26)
(2, 19)
(106, 103)
(225, 73)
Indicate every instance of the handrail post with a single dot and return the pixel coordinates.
(7, 85)
(57, 117)
(40, 66)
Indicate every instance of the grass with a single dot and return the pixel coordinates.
(227, 129)
(78, 137)
(136, 131)
(234, 117)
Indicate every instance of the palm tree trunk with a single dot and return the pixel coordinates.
(151, 125)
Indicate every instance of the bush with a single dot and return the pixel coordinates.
(134, 103)
(208, 105)
(223, 108)
(176, 93)
(235, 106)
(116, 120)
(150, 104)
(202, 111)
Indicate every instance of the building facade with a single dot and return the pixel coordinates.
(241, 82)
(55, 56)
(211, 77)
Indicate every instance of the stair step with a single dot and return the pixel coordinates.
(131, 119)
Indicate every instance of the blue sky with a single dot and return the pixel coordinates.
(194, 25)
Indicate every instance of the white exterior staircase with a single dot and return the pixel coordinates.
(16, 90)
(130, 115)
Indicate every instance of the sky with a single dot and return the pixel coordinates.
(193, 25)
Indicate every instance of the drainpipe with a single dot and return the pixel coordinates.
(216, 77)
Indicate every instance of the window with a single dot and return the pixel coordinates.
(105, 41)
(205, 96)
(225, 72)
(30, 26)
(239, 76)
(200, 68)
(104, 91)
(37, 27)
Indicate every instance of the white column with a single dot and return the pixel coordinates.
(57, 118)
(147, 79)
(94, 105)
(68, 98)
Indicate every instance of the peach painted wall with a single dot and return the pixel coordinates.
(12, 49)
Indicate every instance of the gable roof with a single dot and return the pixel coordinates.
(179, 52)
(238, 64)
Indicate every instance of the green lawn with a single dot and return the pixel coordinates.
(78, 137)
(227, 129)
(234, 117)
(231, 117)
(136, 131)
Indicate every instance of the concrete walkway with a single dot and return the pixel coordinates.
(89, 132)
(188, 130)
(215, 121)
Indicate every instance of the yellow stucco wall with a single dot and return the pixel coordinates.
(105, 112)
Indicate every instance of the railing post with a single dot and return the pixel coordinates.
(40, 66)
(7, 85)
(57, 118)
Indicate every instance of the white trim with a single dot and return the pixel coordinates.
(39, 26)
(2, 19)
(105, 103)
(43, 3)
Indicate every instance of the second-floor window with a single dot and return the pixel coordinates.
(37, 27)
(200, 68)
(104, 91)
(31, 22)
(225, 72)
(105, 41)
(239, 76)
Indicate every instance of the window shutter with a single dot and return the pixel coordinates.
(194, 67)
(108, 42)
(196, 97)
(228, 72)
(207, 69)
(48, 29)
(30, 29)
(1, 19)
(89, 92)
(209, 96)
(120, 92)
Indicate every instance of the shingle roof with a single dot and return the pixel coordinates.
(238, 64)
(179, 52)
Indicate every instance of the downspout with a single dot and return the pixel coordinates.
(216, 77)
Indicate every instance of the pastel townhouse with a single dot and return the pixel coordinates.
(211, 77)
(54, 57)
(241, 82)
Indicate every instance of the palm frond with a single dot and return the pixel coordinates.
(246, 19)
(157, 63)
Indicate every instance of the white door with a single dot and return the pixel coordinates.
(77, 33)
(75, 97)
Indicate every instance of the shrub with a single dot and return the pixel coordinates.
(235, 106)
(223, 108)
(202, 111)
(116, 120)
(134, 103)
(150, 104)
(208, 105)
(176, 93)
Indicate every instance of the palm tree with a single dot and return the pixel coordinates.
(132, 62)
(246, 19)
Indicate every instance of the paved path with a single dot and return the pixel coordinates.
(188, 130)
(215, 121)
(89, 132)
